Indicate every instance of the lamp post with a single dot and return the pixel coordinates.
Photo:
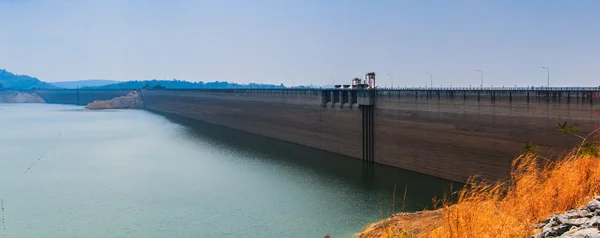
(430, 78)
(333, 80)
(481, 85)
(392, 78)
(311, 85)
(548, 75)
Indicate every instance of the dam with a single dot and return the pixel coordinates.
(451, 133)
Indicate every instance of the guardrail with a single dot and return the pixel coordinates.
(593, 89)
(494, 88)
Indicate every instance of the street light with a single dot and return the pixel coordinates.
(548, 75)
(430, 77)
(333, 79)
(392, 77)
(311, 85)
(481, 77)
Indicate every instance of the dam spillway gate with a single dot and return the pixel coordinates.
(365, 99)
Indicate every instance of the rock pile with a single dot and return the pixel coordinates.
(583, 222)
(132, 100)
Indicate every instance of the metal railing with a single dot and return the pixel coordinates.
(493, 88)
(593, 89)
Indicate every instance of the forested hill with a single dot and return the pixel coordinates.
(84, 83)
(9, 80)
(181, 84)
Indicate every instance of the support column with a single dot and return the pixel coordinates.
(368, 132)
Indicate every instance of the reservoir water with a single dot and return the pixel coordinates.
(69, 172)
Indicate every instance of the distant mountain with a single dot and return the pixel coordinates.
(84, 83)
(181, 84)
(9, 80)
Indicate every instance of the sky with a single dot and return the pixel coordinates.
(299, 41)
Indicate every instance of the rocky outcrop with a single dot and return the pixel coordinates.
(583, 222)
(133, 100)
(10, 96)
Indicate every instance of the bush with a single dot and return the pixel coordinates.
(530, 149)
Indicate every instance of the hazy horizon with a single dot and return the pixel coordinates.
(277, 42)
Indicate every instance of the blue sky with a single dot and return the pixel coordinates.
(279, 41)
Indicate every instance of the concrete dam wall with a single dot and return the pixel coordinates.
(289, 115)
(452, 134)
(78, 97)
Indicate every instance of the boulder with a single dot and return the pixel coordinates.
(594, 205)
(554, 231)
(575, 222)
(593, 222)
(583, 233)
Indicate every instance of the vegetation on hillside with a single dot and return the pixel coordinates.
(147, 86)
(14, 81)
(182, 84)
(538, 188)
(83, 83)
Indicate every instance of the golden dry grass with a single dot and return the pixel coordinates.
(510, 209)
(537, 189)
(404, 224)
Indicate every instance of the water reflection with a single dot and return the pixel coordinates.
(371, 178)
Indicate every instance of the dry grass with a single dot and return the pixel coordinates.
(537, 190)
(404, 224)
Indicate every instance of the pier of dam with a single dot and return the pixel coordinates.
(451, 133)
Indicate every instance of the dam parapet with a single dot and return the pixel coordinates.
(554, 95)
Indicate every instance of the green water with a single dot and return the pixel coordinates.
(132, 173)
